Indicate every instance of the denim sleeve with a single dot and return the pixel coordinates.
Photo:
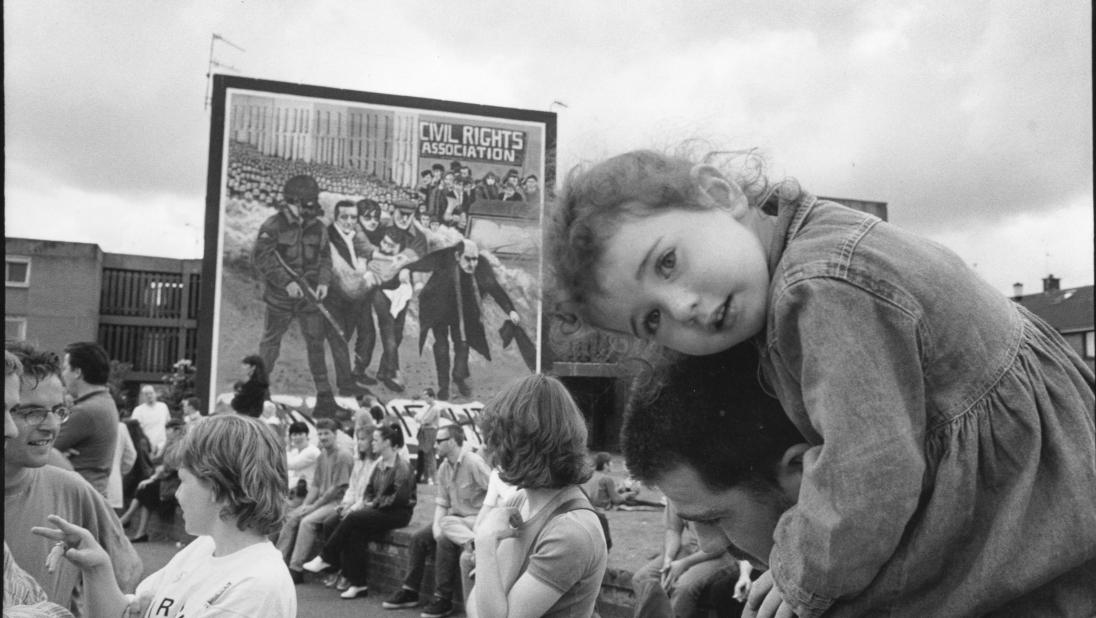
(847, 367)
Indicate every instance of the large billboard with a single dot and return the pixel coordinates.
(362, 243)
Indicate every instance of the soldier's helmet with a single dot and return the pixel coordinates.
(301, 189)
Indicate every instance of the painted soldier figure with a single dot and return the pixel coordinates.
(293, 256)
(450, 306)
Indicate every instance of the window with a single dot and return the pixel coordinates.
(1090, 344)
(16, 271)
(15, 329)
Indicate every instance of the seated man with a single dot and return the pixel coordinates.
(462, 486)
(302, 524)
(685, 573)
(33, 490)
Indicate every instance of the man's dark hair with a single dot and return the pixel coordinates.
(425, 173)
(37, 365)
(327, 423)
(456, 432)
(298, 427)
(194, 402)
(709, 413)
(92, 361)
(344, 204)
(438, 166)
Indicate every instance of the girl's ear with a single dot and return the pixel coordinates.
(716, 190)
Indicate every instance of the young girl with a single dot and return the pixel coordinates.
(953, 460)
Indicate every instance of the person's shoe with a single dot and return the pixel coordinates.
(142, 538)
(463, 387)
(364, 379)
(394, 384)
(401, 599)
(438, 609)
(316, 565)
(353, 592)
(443, 393)
(296, 576)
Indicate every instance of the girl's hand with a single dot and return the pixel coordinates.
(78, 545)
(766, 601)
(137, 605)
(741, 589)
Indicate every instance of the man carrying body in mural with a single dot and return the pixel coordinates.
(412, 245)
(293, 256)
(450, 305)
(350, 300)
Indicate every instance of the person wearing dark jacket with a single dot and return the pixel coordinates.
(254, 389)
(450, 305)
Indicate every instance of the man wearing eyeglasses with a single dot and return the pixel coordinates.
(33, 490)
(91, 435)
(350, 299)
(292, 250)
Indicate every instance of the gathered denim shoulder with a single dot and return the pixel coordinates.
(952, 467)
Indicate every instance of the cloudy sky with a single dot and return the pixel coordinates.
(972, 120)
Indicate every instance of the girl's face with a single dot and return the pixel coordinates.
(365, 439)
(695, 281)
(199, 505)
(246, 370)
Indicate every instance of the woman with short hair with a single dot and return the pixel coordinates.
(544, 553)
(232, 494)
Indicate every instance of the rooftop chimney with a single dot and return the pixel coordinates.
(1017, 290)
(1050, 283)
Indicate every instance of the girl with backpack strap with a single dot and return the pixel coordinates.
(544, 553)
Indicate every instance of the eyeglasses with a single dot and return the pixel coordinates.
(440, 440)
(36, 415)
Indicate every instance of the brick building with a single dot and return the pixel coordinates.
(143, 310)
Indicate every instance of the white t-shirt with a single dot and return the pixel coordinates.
(153, 418)
(125, 455)
(302, 464)
(251, 582)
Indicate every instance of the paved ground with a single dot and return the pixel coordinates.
(313, 600)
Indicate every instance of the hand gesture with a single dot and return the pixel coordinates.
(76, 544)
(294, 290)
(766, 601)
(321, 291)
(670, 574)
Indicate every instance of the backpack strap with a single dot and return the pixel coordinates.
(574, 504)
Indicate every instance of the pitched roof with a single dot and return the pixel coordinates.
(1065, 310)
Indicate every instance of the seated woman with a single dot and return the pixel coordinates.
(157, 492)
(354, 498)
(389, 503)
(253, 389)
(552, 562)
(232, 493)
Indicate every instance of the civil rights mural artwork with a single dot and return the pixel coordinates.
(362, 243)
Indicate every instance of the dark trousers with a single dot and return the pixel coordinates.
(348, 545)
(353, 317)
(391, 330)
(446, 563)
(280, 312)
(442, 334)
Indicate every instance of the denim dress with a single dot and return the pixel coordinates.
(952, 468)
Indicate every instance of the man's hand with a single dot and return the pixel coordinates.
(321, 291)
(742, 588)
(69, 454)
(514, 317)
(671, 573)
(294, 290)
(766, 601)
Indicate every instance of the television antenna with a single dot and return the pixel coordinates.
(213, 62)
